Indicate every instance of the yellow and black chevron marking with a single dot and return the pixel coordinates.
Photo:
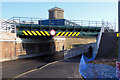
(68, 34)
(118, 34)
(45, 33)
(36, 33)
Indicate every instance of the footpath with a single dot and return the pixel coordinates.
(98, 68)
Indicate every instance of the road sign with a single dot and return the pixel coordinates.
(52, 32)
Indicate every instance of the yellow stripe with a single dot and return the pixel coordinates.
(77, 33)
(43, 33)
(38, 33)
(66, 33)
(34, 33)
(30, 33)
(62, 33)
(33, 70)
(25, 73)
(118, 34)
(74, 33)
(47, 33)
(25, 33)
(70, 33)
(58, 34)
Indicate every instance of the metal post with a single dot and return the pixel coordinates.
(74, 25)
(119, 29)
(40, 24)
(49, 24)
(15, 35)
(81, 23)
(19, 20)
(96, 23)
(118, 62)
(31, 24)
(89, 23)
(89, 26)
(114, 28)
(31, 21)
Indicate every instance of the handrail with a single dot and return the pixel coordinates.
(99, 38)
(109, 25)
(32, 20)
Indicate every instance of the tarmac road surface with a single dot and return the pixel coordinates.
(41, 67)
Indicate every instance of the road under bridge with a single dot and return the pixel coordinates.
(41, 67)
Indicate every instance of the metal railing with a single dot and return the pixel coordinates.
(9, 24)
(109, 26)
(98, 40)
(86, 23)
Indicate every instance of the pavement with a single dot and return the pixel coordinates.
(99, 70)
(41, 67)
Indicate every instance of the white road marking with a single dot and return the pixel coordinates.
(35, 69)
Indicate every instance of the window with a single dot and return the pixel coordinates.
(59, 14)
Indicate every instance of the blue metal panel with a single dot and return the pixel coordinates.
(57, 22)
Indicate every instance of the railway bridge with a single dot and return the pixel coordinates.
(52, 40)
(36, 36)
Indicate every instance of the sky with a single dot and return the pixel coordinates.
(94, 11)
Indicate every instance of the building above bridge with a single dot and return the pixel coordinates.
(56, 13)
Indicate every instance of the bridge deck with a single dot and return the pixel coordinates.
(37, 26)
(44, 30)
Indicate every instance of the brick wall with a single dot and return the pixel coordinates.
(68, 43)
(12, 50)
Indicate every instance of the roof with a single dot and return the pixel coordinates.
(56, 8)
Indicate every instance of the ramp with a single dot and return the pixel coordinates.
(107, 45)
